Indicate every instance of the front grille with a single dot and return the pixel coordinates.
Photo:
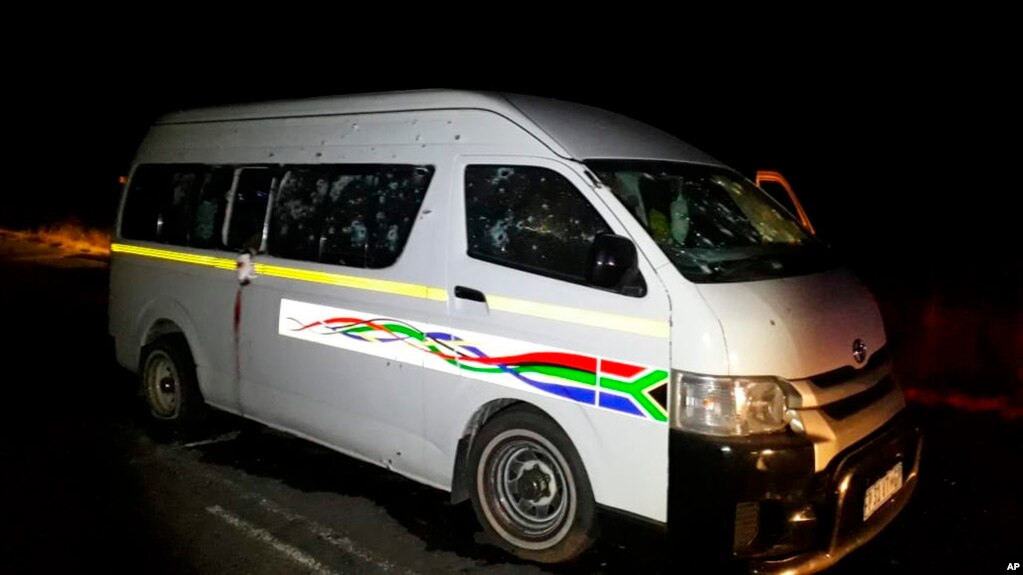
(856, 403)
(843, 374)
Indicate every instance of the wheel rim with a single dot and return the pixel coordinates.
(162, 384)
(528, 490)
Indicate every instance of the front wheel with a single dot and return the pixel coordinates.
(530, 490)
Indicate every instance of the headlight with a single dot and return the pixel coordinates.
(728, 405)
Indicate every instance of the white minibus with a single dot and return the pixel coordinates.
(545, 308)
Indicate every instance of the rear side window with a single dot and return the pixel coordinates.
(207, 222)
(529, 218)
(142, 206)
(356, 215)
(247, 210)
(352, 215)
(177, 204)
(160, 202)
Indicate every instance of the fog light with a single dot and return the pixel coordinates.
(747, 524)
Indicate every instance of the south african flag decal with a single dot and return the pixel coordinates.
(618, 386)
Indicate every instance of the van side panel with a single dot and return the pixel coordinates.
(197, 301)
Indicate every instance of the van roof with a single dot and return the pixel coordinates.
(569, 130)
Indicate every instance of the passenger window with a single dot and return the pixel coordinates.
(211, 204)
(160, 203)
(172, 224)
(142, 205)
(298, 213)
(248, 208)
(353, 215)
(529, 218)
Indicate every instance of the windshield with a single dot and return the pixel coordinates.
(712, 223)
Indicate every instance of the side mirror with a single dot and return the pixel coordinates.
(612, 263)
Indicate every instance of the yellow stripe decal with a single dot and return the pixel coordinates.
(355, 282)
(652, 328)
(208, 261)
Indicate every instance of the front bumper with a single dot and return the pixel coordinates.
(758, 500)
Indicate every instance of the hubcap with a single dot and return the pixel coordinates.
(534, 484)
(529, 489)
(162, 385)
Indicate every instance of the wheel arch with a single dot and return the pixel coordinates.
(491, 409)
(167, 317)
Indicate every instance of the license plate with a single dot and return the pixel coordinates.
(882, 490)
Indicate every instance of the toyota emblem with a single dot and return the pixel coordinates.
(859, 351)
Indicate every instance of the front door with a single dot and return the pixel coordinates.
(524, 317)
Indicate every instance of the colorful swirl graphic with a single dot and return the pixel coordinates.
(609, 384)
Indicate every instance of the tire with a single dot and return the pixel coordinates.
(169, 385)
(529, 488)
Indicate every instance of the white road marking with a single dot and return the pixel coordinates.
(326, 534)
(231, 436)
(265, 536)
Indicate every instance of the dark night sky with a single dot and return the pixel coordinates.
(898, 149)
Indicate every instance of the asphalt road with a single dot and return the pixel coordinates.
(91, 486)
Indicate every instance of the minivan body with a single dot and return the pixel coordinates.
(541, 306)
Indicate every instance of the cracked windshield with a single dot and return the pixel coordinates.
(713, 224)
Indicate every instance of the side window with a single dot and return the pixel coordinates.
(248, 207)
(160, 203)
(210, 207)
(298, 213)
(172, 224)
(142, 206)
(353, 215)
(529, 218)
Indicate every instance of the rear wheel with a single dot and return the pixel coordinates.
(168, 381)
(530, 490)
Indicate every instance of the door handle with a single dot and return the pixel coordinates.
(246, 268)
(470, 294)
